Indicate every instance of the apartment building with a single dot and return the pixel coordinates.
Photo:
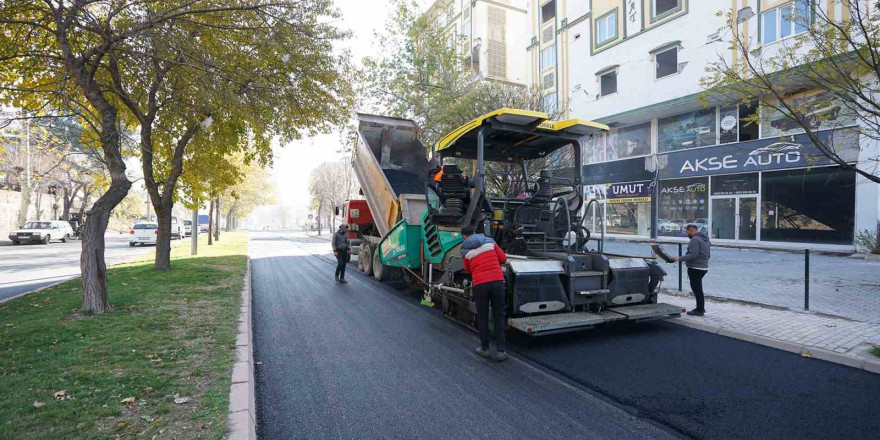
(671, 158)
(492, 31)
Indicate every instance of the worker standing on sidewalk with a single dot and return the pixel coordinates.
(483, 259)
(697, 260)
(342, 251)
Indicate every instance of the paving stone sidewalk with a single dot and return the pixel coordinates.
(839, 285)
(811, 334)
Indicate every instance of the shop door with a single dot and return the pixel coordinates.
(734, 218)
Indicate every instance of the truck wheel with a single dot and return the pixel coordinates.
(365, 259)
(380, 271)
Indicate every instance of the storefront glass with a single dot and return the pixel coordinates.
(808, 206)
(682, 201)
(595, 149)
(595, 211)
(634, 140)
(821, 109)
(688, 130)
(629, 208)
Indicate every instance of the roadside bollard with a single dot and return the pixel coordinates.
(806, 279)
(679, 267)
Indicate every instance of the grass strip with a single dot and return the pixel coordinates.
(170, 338)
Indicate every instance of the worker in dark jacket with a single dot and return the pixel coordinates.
(483, 259)
(342, 251)
(697, 261)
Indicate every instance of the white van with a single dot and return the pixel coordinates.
(177, 228)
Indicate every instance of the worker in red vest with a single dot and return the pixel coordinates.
(483, 259)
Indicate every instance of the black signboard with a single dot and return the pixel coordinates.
(736, 184)
(634, 192)
(763, 154)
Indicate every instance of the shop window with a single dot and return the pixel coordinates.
(808, 206)
(606, 28)
(608, 83)
(628, 208)
(748, 123)
(818, 109)
(682, 202)
(687, 130)
(595, 149)
(634, 140)
(787, 20)
(728, 125)
(667, 62)
(596, 211)
(662, 7)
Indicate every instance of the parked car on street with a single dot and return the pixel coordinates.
(143, 233)
(187, 228)
(42, 232)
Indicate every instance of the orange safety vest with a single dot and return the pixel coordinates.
(438, 176)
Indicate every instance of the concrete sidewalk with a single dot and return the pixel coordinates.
(829, 338)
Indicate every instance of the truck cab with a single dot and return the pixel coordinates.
(356, 214)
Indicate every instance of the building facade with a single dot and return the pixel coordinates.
(491, 31)
(672, 158)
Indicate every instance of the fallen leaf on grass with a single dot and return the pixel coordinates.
(156, 361)
(39, 404)
(148, 390)
(128, 401)
(181, 400)
(61, 395)
(121, 425)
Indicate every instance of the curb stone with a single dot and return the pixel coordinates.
(868, 365)
(242, 403)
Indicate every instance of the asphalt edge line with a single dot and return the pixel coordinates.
(242, 416)
(806, 351)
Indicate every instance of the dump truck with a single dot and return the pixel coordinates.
(555, 281)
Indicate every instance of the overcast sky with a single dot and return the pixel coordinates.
(294, 161)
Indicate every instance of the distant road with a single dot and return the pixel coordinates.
(28, 267)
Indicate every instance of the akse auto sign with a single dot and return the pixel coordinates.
(764, 154)
(634, 192)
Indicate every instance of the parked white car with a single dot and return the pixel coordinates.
(143, 233)
(667, 226)
(42, 232)
(188, 228)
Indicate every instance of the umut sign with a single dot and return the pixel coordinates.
(763, 154)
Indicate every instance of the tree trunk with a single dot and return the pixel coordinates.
(230, 217)
(38, 205)
(318, 214)
(25, 204)
(163, 236)
(217, 221)
(211, 223)
(91, 260)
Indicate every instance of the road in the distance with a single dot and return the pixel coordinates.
(27, 267)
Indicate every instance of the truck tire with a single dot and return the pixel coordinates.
(380, 271)
(365, 260)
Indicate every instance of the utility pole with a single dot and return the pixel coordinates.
(194, 238)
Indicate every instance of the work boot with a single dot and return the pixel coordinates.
(483, 352)
(501, 356)
(696, 312)
(336, 279)
(342, 281)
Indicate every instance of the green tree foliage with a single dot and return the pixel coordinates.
(259, 67)
(824, 78)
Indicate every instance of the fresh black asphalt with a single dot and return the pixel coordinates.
(363, 361)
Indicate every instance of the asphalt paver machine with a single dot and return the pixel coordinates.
(554, 282)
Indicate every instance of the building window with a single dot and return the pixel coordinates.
(748, 123)
(786, 20)
(634, 140)
(549, 80)
(682, 202)
(595, 149)
(549, 103)
(629, 208)
(608, 83)
(819, 109)
(687, 130)
(667, 62)
(548, 57)
(596, 212)
(548, 11)
(606, 28)
(789, 211)
(663, 7)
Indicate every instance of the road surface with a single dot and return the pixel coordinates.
(365, 361)
(27, 267)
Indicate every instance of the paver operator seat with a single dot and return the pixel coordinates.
(452, 190)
